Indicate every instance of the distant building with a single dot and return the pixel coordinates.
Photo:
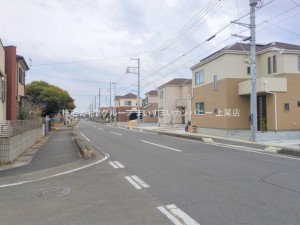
(127, 108)
(221, 89)
(150, 107)
(15, 68)
(2, 83)
(174, 102)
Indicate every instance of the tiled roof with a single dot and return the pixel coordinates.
(245, 47)
(179, 81)
(21, 58)
(153, 92)
(281, 45)
(129, 95)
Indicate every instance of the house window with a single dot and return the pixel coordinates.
(269, 65)
(274, 64)
(127, 103)
(160, 114)
(200, 108)
(298, 62)
(1, 87)
(298, 103)
(199, 77)
(287, 106)
(248, 70)
(215, 82)
(161, 94)
(20, 75)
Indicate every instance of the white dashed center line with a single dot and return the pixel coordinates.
(174, 214)
(137, 182)
(116, 164)
(116, 133)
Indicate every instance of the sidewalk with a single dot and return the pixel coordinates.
(58, 148)
(291, 147)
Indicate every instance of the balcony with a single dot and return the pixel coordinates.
(263, 84)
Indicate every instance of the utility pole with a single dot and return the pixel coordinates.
(95, 106)
(99, 101)
(115, 111)
(139, 86)
(110, 103)
(139, 90)
(92, 108)
(253, 106)
(253, 94)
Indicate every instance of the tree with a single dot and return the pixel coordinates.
(54, 98)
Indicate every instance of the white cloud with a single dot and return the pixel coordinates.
(54, 32)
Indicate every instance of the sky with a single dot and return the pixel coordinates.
(83, 46)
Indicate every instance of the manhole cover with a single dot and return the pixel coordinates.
(52, 193)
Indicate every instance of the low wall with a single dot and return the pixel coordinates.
(12, 147)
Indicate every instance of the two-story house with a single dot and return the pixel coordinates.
(150, 107)
(15, 69)
(174, 102)
(127, 107)
(221, 89)
(2, 83)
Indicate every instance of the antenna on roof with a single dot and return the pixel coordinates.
(30, 62)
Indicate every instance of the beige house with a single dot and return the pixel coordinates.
(174, 102)
(127, 107)
(221, 89)
(2, 83)
(150, 107)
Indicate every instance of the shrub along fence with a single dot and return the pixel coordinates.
(16, 136)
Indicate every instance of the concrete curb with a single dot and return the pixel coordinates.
(270, 149)
(83, 149)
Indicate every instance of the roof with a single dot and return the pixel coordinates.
(129, 95)
(153, 92)
(177, 82)
(281, 45)
(23, 61)
(245, 47)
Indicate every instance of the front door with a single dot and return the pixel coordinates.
(262, 113)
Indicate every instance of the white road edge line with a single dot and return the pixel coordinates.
(140, 181)
(235, 146)
(116, 133)
(100, 128)
(85, 137)
(55, 175)
(113, 165)
(254, 151)
(120, 165)
(133, 182)
(169, 215)
(174, 149)
(182, 215)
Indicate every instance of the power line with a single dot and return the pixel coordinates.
(183, 30)
(92, 60)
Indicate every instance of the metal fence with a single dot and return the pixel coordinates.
(15, 127)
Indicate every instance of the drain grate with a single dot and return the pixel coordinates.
(52, 193)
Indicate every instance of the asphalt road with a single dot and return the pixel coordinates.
(156, 179)
(213, 184)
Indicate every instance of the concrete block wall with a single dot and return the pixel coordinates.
(13, 147)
